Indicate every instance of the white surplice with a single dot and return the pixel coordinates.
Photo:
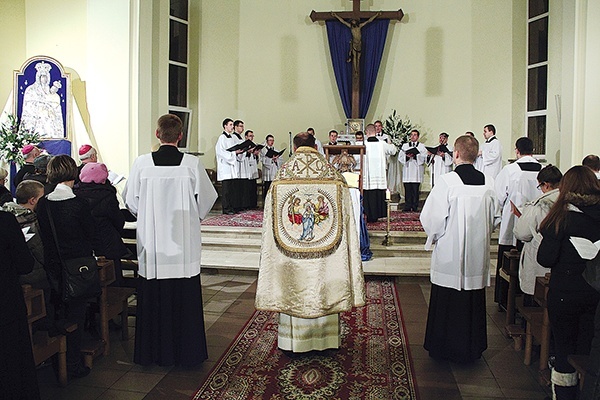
(169, 199)
(441, 165)
(227, 167)
(491, 157)
(413, 168)
(459, 220)
(514, 184)
(375, 161)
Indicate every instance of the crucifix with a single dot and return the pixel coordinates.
(352, 19)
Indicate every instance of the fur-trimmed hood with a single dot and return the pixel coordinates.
(589, 204)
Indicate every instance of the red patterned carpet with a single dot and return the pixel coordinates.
(372, 363)
(399, 221)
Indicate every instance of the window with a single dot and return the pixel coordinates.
(537, 73)
(178, 65)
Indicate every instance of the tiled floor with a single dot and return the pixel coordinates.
(229, 303)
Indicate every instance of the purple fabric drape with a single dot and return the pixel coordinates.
(339, 38)
(373, 42)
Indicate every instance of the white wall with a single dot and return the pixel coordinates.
(448, 66)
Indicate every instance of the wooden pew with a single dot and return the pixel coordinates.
(43, 345)
(540, 295)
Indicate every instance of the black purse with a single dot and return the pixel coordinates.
(80, 278)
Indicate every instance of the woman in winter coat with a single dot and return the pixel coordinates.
(75, 229)
(102, 199)
(572, 302)
(527, 228)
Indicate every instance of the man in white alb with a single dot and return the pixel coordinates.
(170, 193)
(412, 156)
(491, 152)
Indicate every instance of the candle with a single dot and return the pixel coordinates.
(387, 194)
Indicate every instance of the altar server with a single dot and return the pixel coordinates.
(170, 192)
(270, 165)
(374, 178)
(310, 263)
(491, 152)
(412, 156)
(440, 162)
(515, 185)
(459, 216)
(227, 166)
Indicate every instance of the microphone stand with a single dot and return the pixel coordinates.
(290, 146)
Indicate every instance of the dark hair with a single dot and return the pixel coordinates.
(28, 189)
(332, 131)
(247, 132)
(491, 128)
(470, 133)
(551, 175)
(304, 139)
(169, 127)
(416, 130)
(592, 161)
(524, 145)
(444, 134)
(377, 122)
(62, 168)
(238, 122)
(577, 181)
(226, 121)
(269, 136)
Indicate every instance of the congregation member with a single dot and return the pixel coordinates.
(109, 219)
(170, 193)
(572, 223)
(440, 162)
(5, 195)
(40, 174)
(67, 230)
(527, 229)
(308, 274)
(373, 176)
(18, 378)
(27, 196)
(592, 161)
(317, 141)
(491, 152)
(251, 166)
(412, 156)
(87, 154)
(270, 165)
(515, 185)
(30, 152)
(333, 137)
(379, 134)
(227, 168)
(458, 217)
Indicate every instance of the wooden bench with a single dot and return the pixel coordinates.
(43, 345)
(510, 273)
(540, 295)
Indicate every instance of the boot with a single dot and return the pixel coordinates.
(564, 385)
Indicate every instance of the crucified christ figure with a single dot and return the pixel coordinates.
(356, 42)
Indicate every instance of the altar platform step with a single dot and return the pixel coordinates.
(238, 248)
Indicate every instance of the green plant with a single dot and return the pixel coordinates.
(13, 138)
(398, 129)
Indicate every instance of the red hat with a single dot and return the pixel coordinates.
(27, 149)
(93, 173)
(86, 151)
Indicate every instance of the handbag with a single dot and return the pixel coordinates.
(80, 278)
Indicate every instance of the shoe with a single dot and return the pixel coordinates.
(77, 371)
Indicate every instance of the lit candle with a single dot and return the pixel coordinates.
(387, 194)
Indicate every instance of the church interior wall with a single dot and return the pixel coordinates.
(447, 66)
(451, 67)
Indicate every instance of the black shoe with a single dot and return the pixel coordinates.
(77, 371)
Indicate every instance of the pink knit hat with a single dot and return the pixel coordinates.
(27, 149)
(93, 173)
(86, 151)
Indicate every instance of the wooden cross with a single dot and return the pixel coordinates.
(352, 19)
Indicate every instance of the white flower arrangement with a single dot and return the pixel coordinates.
(12, 140)
(398, 129)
